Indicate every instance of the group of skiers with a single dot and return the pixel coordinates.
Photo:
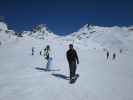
(113, 57)
(71, 56)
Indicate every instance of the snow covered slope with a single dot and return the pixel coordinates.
(107, 37)
(3, 26)
(22, 76)
(6, 36)
(41, 32)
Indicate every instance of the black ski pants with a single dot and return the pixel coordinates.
(72, 67)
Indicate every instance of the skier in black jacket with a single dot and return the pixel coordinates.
(73, 60)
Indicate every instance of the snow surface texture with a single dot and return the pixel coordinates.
(22, 76)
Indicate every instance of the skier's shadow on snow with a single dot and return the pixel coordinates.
(46, 70)
(61, 76)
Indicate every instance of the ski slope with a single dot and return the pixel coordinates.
(22, 77)
(100, 79)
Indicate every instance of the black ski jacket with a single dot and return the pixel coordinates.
(72, 56)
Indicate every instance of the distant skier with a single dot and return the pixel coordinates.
(114, 56)
(33, 50)
(107, 54)
(72, 58)
(40, 52)
(120, 50)
(48, 56)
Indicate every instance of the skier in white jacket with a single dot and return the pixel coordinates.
(48, 56)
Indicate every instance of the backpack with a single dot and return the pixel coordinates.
(46, 54)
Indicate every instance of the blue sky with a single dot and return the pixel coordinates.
(66, 16)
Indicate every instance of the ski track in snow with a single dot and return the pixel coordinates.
(99, 79)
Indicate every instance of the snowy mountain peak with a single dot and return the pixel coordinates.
(115, 37)
(85, 31)
(41, 32)
(88, 36)
(86, 27)
(6, 35)
(3, 26)
(42, 28)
